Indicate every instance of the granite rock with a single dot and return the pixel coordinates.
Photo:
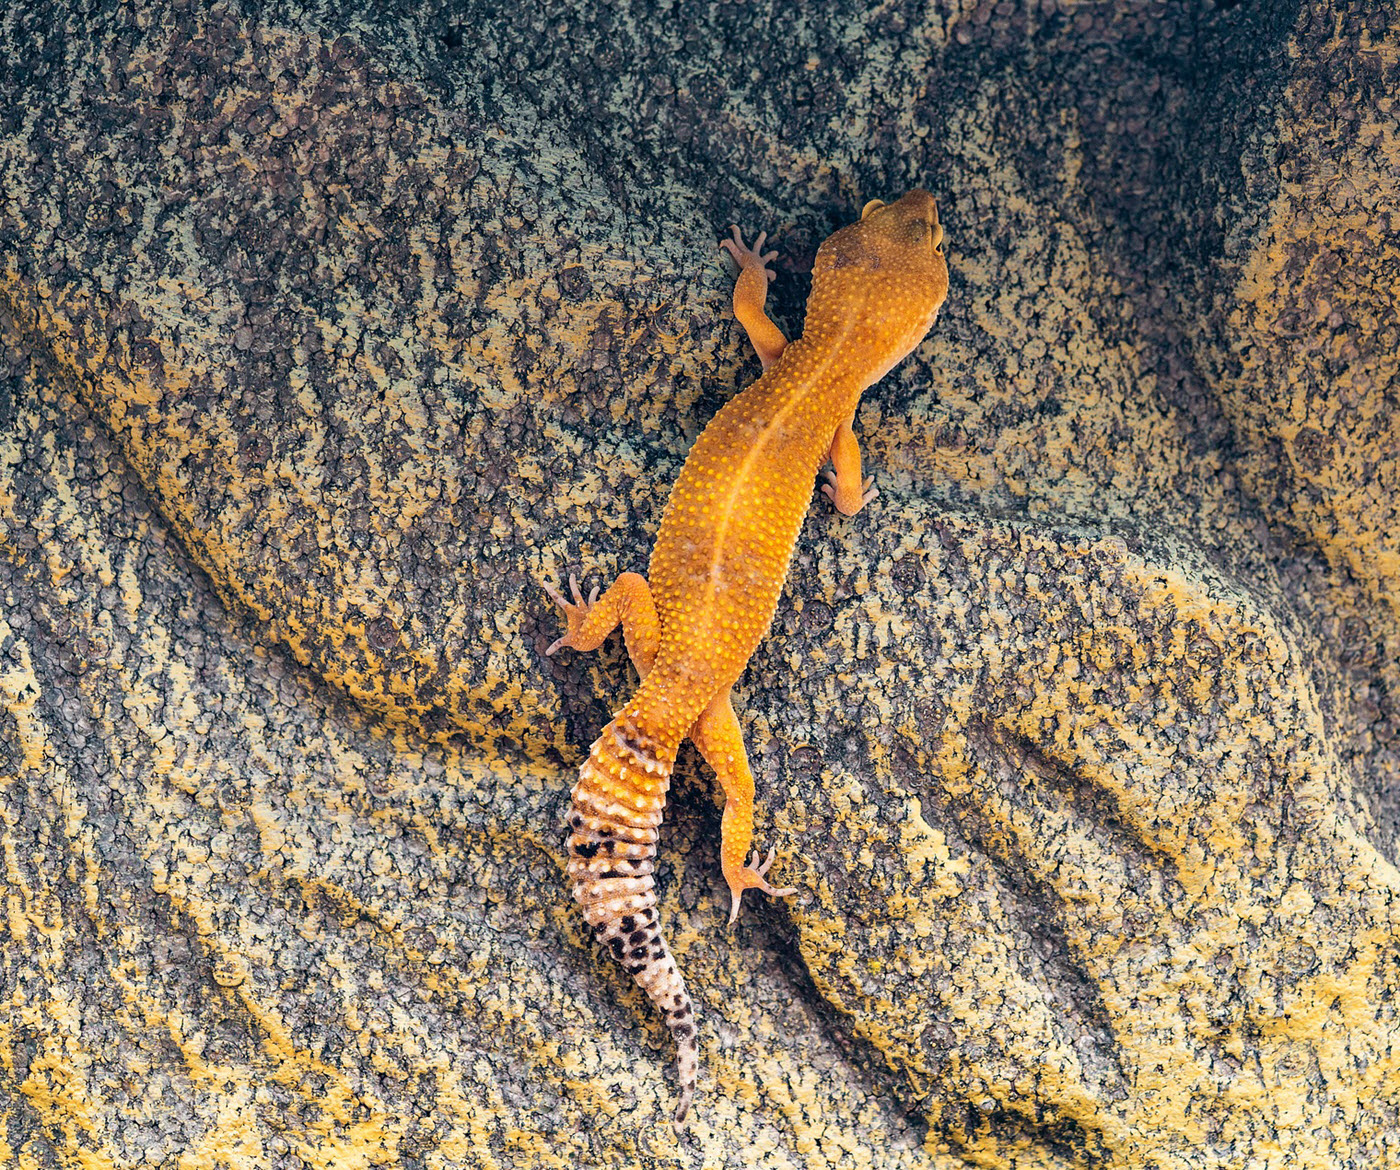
(327, 331)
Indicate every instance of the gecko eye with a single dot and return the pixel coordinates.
(873, 205)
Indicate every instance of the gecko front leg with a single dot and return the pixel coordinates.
(751, 294)
(844, 487)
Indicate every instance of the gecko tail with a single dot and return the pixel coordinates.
(613, 821)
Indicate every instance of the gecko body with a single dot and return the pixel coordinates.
(717, 570)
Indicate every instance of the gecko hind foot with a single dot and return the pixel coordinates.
(753, 877)
(574, 612)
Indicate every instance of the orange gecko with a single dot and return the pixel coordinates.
(718, 566)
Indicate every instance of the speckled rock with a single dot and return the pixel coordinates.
(325, 333)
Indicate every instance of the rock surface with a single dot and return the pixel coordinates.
(326, 333)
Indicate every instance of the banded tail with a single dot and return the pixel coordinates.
(616, 810)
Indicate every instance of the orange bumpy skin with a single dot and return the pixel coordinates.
(718, 566)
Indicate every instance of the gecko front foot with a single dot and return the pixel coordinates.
(747, 257)
(840, 493)
(575, 612)
(752, 878)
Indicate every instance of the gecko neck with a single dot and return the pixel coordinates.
(817, 373)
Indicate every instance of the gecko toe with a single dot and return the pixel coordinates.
(574, 611)
(753, 878)
(747, 256)
(762, 872)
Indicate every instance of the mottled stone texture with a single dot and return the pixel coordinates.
(325, 333)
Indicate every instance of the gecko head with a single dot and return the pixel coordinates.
(882, 280)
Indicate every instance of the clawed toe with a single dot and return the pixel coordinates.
(747, 257)
(574, 611)
(832, 491)
(762, 872)
(734, 897)
(755, 879)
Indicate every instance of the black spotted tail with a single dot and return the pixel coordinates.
(617, 808)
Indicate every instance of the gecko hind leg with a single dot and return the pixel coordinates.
(627, 602)
(718, 737)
